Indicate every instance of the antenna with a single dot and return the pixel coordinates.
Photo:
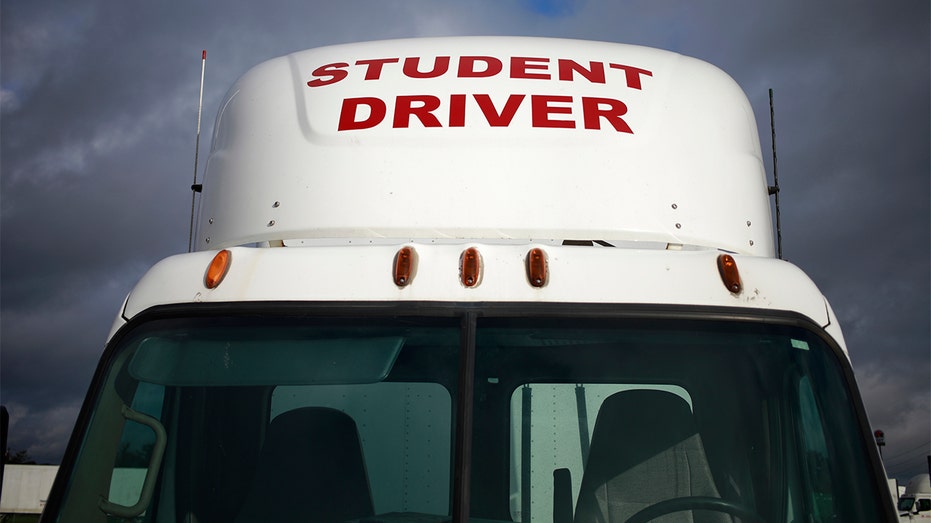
(196, 187)
(774, 189)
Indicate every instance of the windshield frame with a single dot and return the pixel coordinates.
(468, 314)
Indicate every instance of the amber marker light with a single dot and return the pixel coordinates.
(218, 269)
(729, 275)
(404, 263)
(470, 267)
(536, 267)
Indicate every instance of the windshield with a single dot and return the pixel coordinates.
(334, 418)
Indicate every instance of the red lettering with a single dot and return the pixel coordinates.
(594, 74)
(521, 64)
(494, 118)
(334, 71)
(492, 67)
(424, 111)
(594, 109)
(632, 74)
(373, 71)
(547, 111)
(440, 66)
(457, 103)
(541, 109)
(350, 109)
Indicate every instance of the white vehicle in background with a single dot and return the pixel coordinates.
(489, 279)
(915, 503)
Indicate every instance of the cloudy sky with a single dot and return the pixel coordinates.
(99, 105)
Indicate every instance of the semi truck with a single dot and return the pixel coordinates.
(501, 279)
(915, 503)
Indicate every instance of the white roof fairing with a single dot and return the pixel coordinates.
(362, 273)
(487, 138)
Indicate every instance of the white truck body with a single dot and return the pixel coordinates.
(516, 146)
(25, 488)
(915, 503)
(573, 226)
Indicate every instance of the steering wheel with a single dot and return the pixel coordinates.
(694, 503)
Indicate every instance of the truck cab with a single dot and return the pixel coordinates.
(477, 279)
(915, 503)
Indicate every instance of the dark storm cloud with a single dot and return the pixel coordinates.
(98, 115)
(98, 106)
(853, 133)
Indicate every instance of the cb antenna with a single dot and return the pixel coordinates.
(774, 189)
(196, 187)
